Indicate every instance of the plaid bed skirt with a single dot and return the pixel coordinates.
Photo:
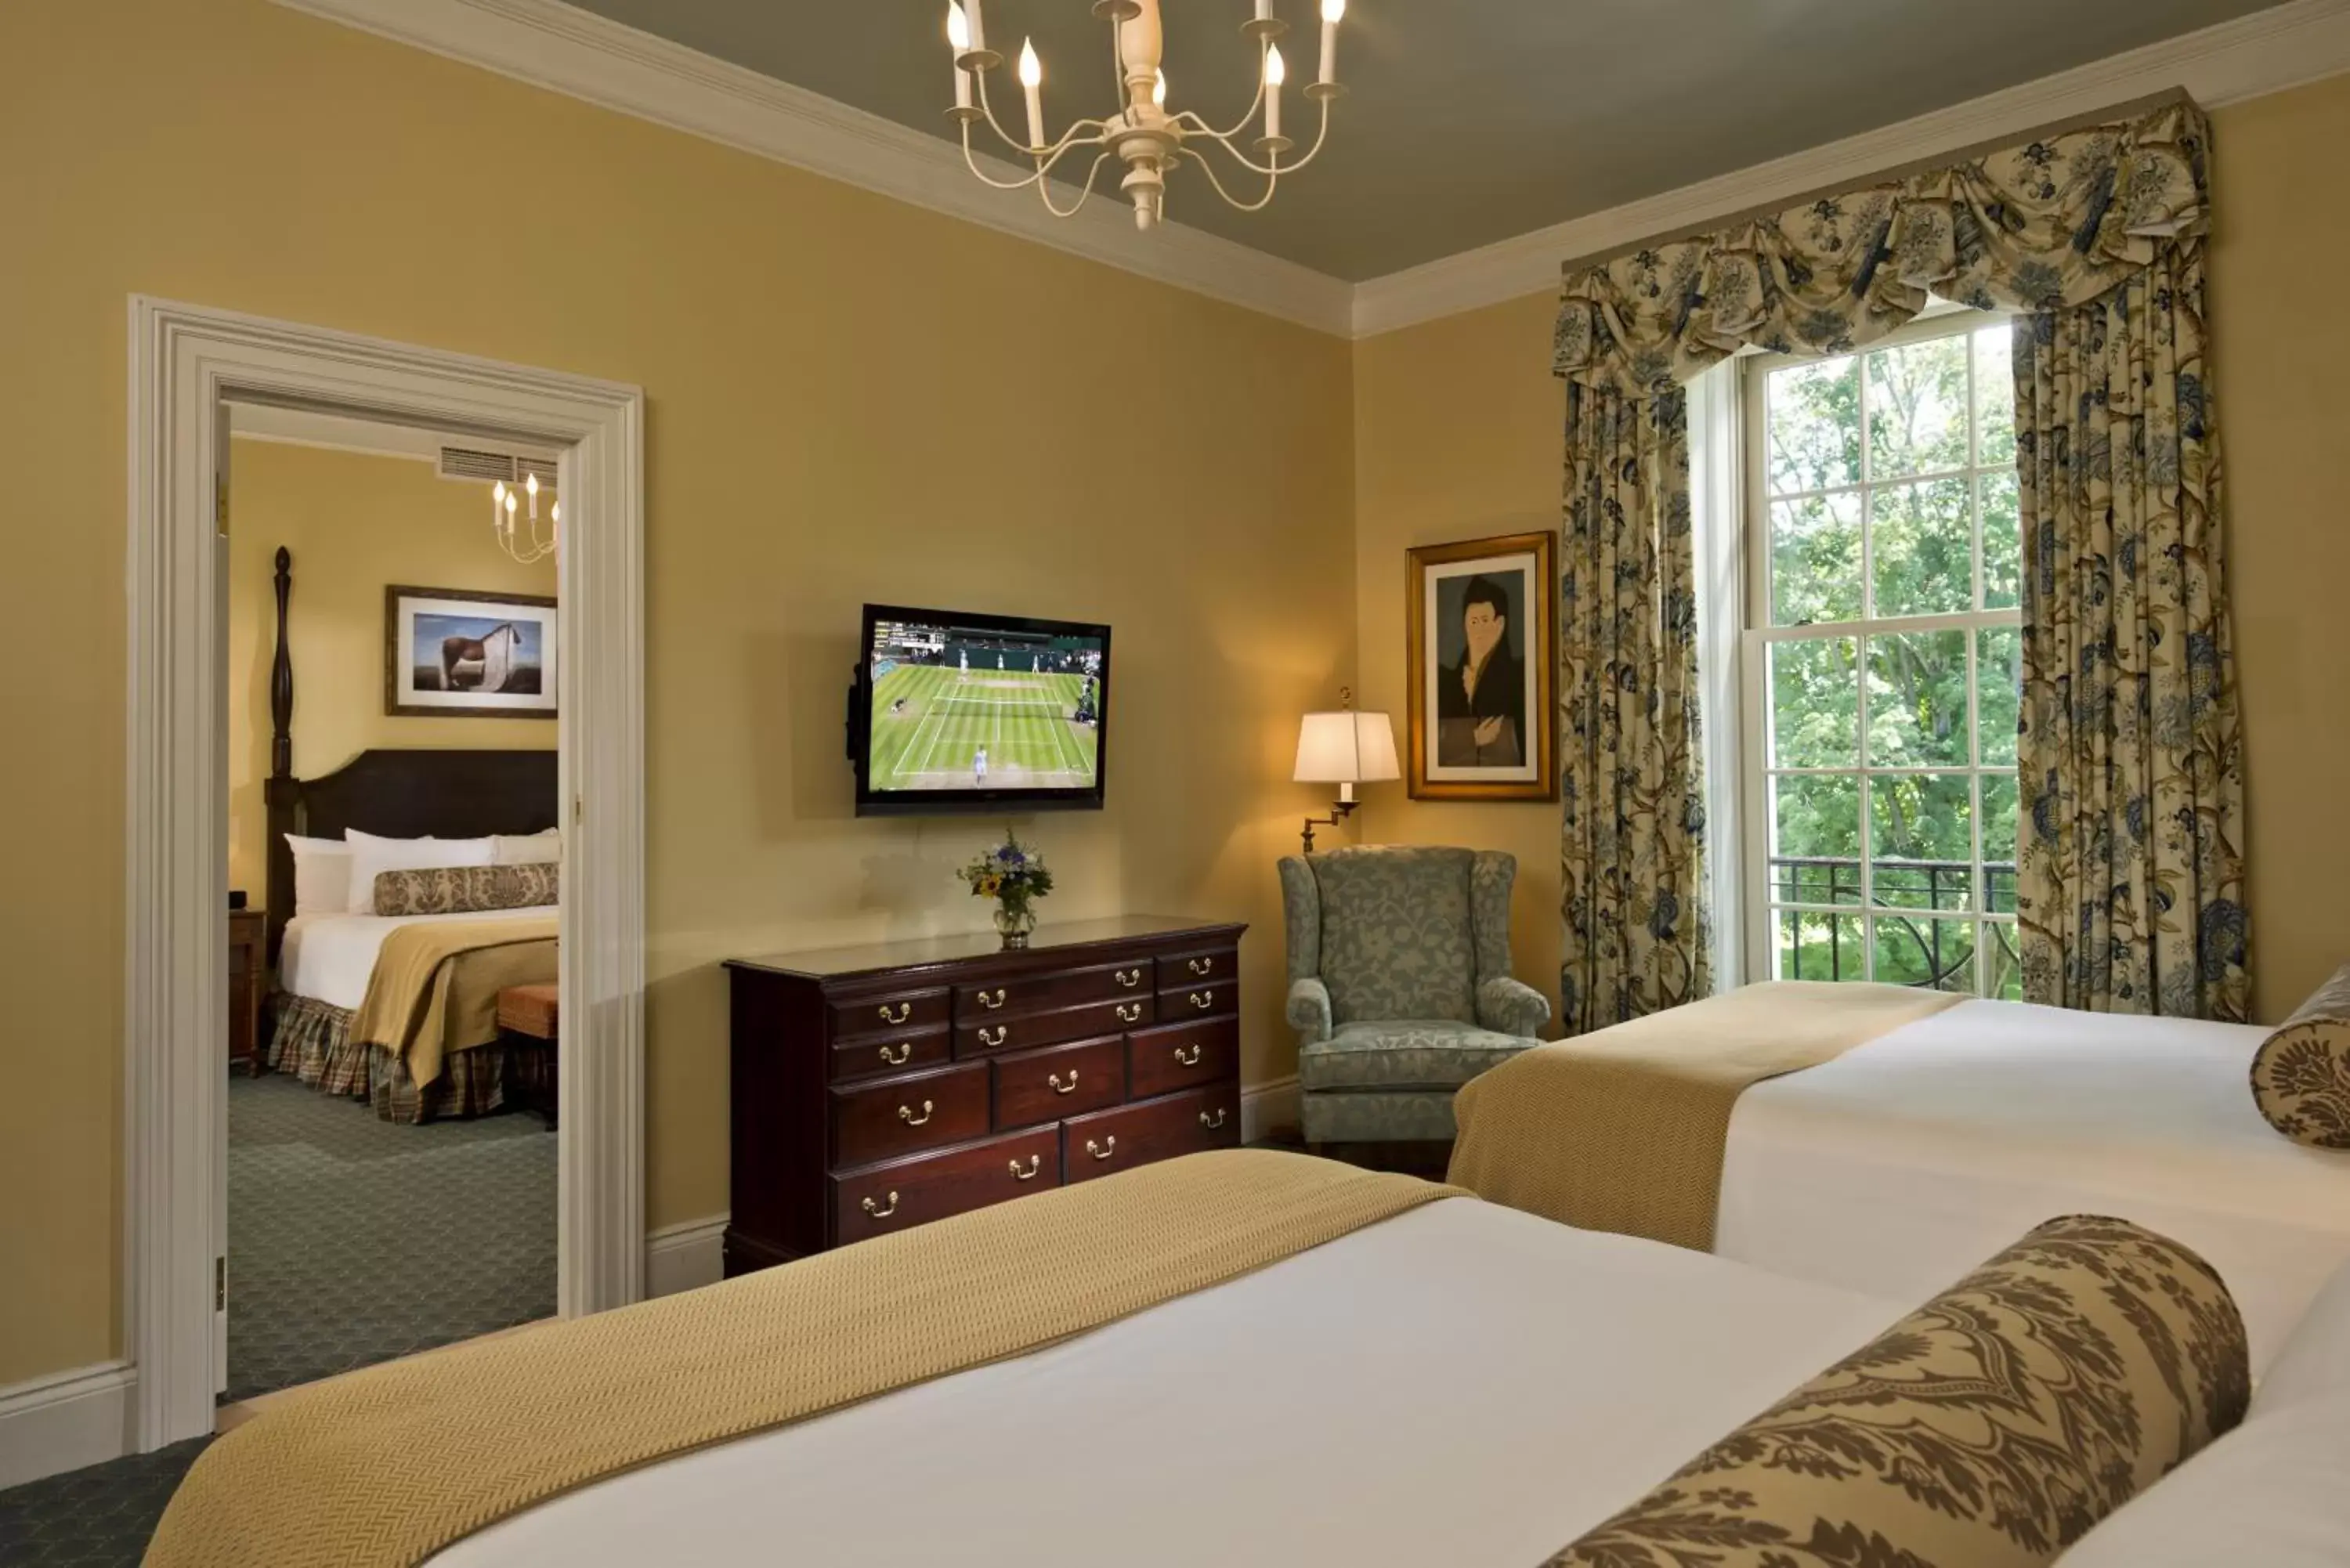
(313, 1042)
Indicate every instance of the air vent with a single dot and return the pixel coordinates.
(466, 462)
(543, 467)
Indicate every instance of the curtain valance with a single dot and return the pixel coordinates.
(2050, 222)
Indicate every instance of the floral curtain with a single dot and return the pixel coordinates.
(2130, 881)
(2095, 234)
(1634, 835)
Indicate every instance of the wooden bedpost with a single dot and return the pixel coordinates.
(282, 794)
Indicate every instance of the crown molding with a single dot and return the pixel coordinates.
(2269, 51)
(550, 45)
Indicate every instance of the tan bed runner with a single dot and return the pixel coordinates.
(331, 1477)
(435, 986)
(1624, 1130)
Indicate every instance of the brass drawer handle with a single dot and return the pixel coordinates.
(995, 1036)
(1036, 1163)
(903, 1011)
(1130, 1011)
(993, 1001)
(905, 1115)
(1130, 978)
(1202, 965)
(1190, 1061)
(877, 1212)
(1059, 1088)
(1212, 1122)
(905, 1054)
(1204, 1000)
(1103, 1150)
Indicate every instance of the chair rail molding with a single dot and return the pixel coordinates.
(187, 364)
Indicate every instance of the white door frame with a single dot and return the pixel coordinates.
(185, 363)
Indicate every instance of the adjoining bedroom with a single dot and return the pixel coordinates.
(394, 866)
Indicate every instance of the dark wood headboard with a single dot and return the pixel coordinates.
(397, 794)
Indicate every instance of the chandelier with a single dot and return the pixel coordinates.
(506, 526)
(1148, 140)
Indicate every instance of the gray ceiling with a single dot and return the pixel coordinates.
(1469, 120)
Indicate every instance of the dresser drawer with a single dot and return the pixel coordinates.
(1217, 999)
(1043, 993)
(890, 1053)
(1182, 1056)
(892, 1011)
(901, 1116)
(1121, 1139)
(1208, 966)
(934, 1185)
(1053, 1028)
(1034, 1086)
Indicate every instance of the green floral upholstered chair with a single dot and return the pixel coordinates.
(1400, 986)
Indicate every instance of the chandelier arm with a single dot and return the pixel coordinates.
(1273, 183)
(1075, 136)
(1269, 171)
(1045, 190)
(1255, 104)
(987, 180)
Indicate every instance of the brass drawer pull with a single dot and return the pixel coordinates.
(992, 1002)
(905, 1115)
(1036, 1163)
(1204, 1000)
(1189, 1060)
(1059, 1088)
(1212, 1122)
(877, 1212)
(905, 1054)
(995, 1036)
(1202, 965)
(1103, 1150)
(1130, 1011)
(901, 1013)
(1130, 978)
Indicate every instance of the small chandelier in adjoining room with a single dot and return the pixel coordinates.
(506, 526)
(1142, 133)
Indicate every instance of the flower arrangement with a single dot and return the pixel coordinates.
(1014, 876)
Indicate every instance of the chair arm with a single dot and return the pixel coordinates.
(1309, 1009)
(1506, 1006)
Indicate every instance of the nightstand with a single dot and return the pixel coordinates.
(248, 974)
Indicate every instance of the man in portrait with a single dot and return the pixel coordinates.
(1482, 700)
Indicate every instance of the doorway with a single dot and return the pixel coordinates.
(188, 367)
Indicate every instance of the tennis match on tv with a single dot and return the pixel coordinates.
(974, 707)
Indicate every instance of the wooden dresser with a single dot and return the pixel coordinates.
(879, 1087)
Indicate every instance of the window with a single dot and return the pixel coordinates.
(1882, 662)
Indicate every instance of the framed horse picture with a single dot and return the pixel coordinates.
(451, 653)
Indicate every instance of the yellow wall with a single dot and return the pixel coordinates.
(355, 522)
(1458, 435)
(849, 400)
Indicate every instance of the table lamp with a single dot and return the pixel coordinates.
(1345, 748)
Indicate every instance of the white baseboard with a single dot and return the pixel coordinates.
(64, 1421)
(685, 1257)
(1267, 1108)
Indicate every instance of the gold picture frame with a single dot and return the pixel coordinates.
(1482, 619)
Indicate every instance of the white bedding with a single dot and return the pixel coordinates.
(1464, 1384)
(1901, 1164)
(330, 958)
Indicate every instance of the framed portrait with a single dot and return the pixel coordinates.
(449, 652)
(1483, 658)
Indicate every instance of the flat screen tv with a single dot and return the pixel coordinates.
(955, 711)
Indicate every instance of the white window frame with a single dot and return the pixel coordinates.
(1760, 910)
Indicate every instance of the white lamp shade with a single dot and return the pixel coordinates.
(1346, 748)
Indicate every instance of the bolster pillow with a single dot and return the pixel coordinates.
(1989, 1428)
(464, 889)
(2300, 1078)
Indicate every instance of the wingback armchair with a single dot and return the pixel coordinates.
(1400, 986)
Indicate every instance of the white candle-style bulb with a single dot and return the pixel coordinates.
(1275, 73)
(497, 505)
(510, 514)
(1032, 78)
(958, 27)
(1333, 12)
(530, 488)
(1159, 90)
(977, 24)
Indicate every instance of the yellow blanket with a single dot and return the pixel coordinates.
(435, 986)
(1624, 1130)
(328, 1478)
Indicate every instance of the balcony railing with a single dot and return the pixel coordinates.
(1913, 900)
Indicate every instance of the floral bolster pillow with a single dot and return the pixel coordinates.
(2300, 1078)
(1989, 1428)
(464, 889)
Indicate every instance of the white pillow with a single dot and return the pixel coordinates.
(371, 856)
(322, 874)
(2269, 1493)
(532, 849)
